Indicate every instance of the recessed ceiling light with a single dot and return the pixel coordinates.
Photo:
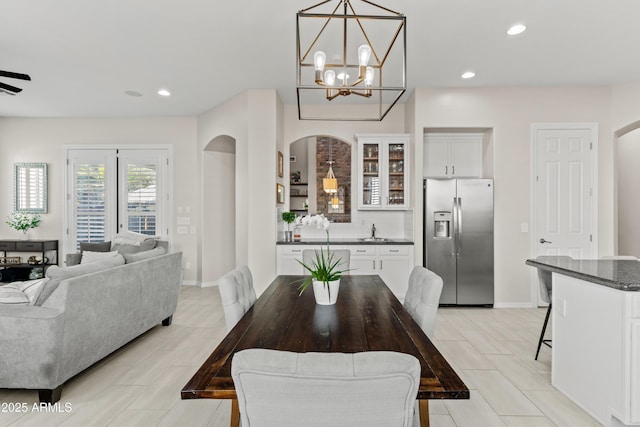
(468, 75)
(164, 92)
(516, 29)
(133, 93)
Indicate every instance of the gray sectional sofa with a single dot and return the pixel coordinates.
(87, 317)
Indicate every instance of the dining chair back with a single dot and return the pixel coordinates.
(246, 275)
(285, 389)
(545, 288)
(344, 255)
(237, 295)
(423, 298)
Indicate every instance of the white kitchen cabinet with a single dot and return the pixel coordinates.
(392, 263)
(595, 360)
(383, 171)
(449, 155)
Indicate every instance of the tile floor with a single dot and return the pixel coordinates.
(139, 385)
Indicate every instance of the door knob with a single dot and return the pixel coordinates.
(544, 241)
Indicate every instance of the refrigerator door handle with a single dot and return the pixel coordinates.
(459, 228)
(454, 252)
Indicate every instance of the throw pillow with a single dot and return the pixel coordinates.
(95, 247)
(88, 256)
(129, 258)
(10, 294)
(133, 249)
(57, 274)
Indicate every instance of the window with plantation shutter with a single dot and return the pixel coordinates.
(141, 182)
(113, 190)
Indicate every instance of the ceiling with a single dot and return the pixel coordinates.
(83, 55)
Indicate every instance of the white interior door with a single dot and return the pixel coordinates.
(565, 190)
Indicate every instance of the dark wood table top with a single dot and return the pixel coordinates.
(367, 317)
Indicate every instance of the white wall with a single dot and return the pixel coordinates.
(218, 215)
(41, 140)
(388, 224)
(254, 120)
(510, 113)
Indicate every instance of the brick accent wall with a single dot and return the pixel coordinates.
(341, 153)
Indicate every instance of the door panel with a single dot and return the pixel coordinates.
(440, 251)
(563, 192)
(475, 251)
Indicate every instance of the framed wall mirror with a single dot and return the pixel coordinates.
(30, 188)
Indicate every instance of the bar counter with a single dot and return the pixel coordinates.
(623, 275)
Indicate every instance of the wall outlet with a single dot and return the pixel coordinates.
(187, 265)
(524, 227)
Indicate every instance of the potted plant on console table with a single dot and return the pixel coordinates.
(23, 222)
(324, 269)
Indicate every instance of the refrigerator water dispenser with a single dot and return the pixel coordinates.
(442, 224)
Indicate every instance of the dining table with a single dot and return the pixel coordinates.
(366, 317)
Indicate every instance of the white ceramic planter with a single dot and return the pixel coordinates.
(326, 295)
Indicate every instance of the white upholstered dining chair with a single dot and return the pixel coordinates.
(423, 298)
(285, 389)
(237, 294)
(344, 255)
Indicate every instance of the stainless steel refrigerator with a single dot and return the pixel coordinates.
(458, 215)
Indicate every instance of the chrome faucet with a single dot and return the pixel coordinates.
(373, 231)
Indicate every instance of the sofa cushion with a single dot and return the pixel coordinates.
(88, 256)
(10, 294)
(95, 247)
(57, 274)
(139, 256)
(133, 249)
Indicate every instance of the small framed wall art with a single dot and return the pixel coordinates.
(279, 194)
(280, 164)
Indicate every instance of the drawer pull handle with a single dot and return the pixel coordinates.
(394, 250)
(361, 250)
(296, 250)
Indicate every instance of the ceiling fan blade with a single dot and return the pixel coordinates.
(15, 75)
(10, 88)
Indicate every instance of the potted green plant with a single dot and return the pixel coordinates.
(288, 217)
(324, 269)
(23, 222)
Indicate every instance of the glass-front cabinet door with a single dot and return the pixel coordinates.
(395, 174)
(382, 171)
(371, 195)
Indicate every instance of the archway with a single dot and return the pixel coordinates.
(627, 175)
(219, 208)
(309, 158)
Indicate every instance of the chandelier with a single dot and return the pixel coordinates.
(354, 62)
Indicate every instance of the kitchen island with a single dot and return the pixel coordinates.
(596, 335)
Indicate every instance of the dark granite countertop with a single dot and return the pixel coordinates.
(348, 241)
(623, 275)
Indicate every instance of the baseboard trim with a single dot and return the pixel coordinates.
(189, 283)
(513, 305)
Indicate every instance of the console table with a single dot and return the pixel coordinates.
(20, 271)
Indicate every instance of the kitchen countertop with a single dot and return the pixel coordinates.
(623, 275)
(347, 241)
